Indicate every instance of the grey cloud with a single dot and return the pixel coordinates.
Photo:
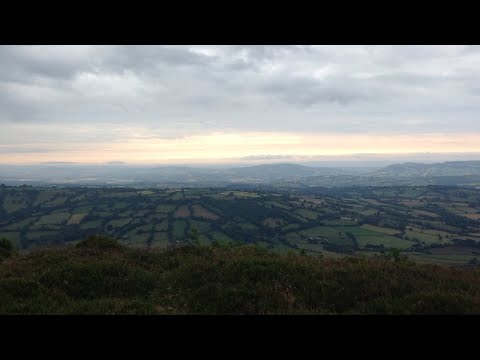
(307, 92)
(181, 90)
(265, 157)
(23, 63)
(24, 149)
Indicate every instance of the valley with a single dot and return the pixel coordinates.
(432, 224)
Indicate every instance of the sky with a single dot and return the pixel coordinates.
(221, 104)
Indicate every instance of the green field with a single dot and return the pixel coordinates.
(118, 223)
(380, 229)
(358, 231)
(307, 214)
(162, 226)
(278, 219)
(179, 227)
(201, 226)
(325, 231)
(221, 237)
(165, 208)
(53, 219)
(387, 241)
(93, 224)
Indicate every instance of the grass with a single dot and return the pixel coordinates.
(339, 222)
(201, 212)
(447, 259)
(387, 241)
(14, 203)
(160, 240)
(307, 214)
(182, 212)
(177, 196)
(320, 231)
(82, 209)
(278, 204)
(35, 235)
(293, 237)
(423, 235)
(311, 247)
(12, 236)
(241, 194)
(19, 225)
(255, 215)
(43, 197)
(179, 227)
(358, 231)
(340, 240)
(118, 223)
(201, 226)
(221, 237)
(162, 226)
(76, 218)
(93, 224)
(425, 213)
(248, 226)
(165, 208)
(290, 227)
(138, 239)
(99, 276)
(53, 219)
(272, 222)
(57, 201)
(380, 229)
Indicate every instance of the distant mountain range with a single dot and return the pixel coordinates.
(117, 173)
(450, 168)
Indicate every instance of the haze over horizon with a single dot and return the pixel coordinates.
(238, 104)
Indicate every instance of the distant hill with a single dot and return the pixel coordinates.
(450, 168)
(115, 172)
(287, 174)
(280, 171)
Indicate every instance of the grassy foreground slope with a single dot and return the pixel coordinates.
(99, 276)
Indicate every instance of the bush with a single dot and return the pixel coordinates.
(99, 278)
(99, 242)
(6, 248)
(227, 279)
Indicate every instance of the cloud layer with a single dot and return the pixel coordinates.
(56, 100)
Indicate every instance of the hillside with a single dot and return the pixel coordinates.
(118, 173)
(289, 176)
(99, 276)
(430, 224)
(450, 168)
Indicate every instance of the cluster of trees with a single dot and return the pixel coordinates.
(6, 249)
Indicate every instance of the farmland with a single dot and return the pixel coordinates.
(427, 223)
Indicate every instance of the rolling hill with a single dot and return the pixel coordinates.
(450, 168)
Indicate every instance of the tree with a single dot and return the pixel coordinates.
(395, 254)
(6, 248)
(195, 236)
(473, 261)
(354, 239)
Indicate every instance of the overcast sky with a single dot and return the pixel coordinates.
(164, 104)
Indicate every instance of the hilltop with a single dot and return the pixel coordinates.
(449, 168)
(286, 175)
(100, 276)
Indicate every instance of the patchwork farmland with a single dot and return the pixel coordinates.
(427, 223)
